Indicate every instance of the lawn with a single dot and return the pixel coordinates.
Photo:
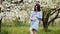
(25, 30)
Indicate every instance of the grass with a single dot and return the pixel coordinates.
(25, 30)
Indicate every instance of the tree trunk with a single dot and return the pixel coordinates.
(45, 25)
(45, 22)
(0, 25)
(0, 20)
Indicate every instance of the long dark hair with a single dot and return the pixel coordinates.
(38, 7)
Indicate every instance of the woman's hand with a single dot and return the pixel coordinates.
(34, 18)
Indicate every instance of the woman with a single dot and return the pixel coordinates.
(35, 17)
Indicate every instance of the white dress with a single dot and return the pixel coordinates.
(35, 18)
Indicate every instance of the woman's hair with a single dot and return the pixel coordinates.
(38, 7)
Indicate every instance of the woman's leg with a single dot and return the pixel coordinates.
(34, 31)
(31, 32)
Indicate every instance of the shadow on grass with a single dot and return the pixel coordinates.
(4, 32)
(49, 30)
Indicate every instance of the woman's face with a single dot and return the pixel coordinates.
(36, 8)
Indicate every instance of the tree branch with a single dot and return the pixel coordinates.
(53, 18)
(53, 12)
(58, 17)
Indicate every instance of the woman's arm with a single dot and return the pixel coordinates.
(31, 16)
(40, 16)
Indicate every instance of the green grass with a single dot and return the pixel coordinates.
(25, 30)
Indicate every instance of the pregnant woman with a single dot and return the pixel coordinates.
(35, 17)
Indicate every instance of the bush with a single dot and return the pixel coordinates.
(15, 24)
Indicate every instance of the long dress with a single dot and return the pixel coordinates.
(35, 17)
